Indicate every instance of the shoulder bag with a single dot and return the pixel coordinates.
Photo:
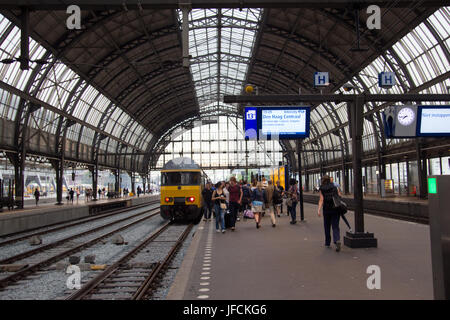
(338, 203)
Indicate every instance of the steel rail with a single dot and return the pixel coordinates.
(75, 222)
(145, 288)
(89, 287)
(59, 242)
(37, 266)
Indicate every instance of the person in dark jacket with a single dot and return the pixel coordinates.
(258, 200)
(293, 197)
(331, 215)
(71, 193)
(37, 194)
(207, 202)
(235, 198)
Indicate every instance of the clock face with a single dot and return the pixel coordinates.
(406, 116)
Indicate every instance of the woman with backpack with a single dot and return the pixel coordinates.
(258, 200)
(331, 214)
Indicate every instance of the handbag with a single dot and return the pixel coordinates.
(338, 204)
(289, 202)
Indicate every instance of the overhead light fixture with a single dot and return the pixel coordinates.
(8, 61)
(12, 60)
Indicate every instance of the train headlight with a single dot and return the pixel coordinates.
(168, 199)
(190, 199)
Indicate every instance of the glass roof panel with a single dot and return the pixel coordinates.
(220, 43)
(55, 90)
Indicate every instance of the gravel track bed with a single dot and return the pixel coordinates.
(160, 293)
(22, 246)
(51, 284)
(154, 252)
(78, 241)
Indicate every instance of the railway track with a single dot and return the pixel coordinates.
(20, 236)
(46, 255)
(133, 277)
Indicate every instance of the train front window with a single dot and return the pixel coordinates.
(180, 178)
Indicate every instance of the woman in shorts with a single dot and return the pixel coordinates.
(258, 200)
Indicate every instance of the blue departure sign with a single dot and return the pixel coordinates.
(284, 122)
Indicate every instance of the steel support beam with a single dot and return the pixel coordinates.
(104, 5)
(337, 98)
(24, 35)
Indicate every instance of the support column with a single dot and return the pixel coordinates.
(307, 181)
(132, 182)
(144, 180)
(117, 181)
(358, 239)
(18, 161)
(94, 172)
(58, 165)
(299, 148)
(1, 195)
(345, 184)
(421, 170)
(381, 171)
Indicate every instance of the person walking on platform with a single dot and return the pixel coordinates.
(258, 200)
(292, 200)
(99, 193)
(342, 214)
(246, 196)
(78, 194)
(139, 191)
(277, 199)
(279, 202)
(207, 202)
(220, 206)
(330, 214)
(270, 191)
(235, 197)
(71, 193)
(37, 194)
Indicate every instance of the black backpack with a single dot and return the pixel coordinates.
(246, 193)
(276, 197)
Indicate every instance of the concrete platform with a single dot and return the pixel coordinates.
(290, 262)
(18, 220)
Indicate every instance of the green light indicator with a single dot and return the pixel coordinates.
(432, 185)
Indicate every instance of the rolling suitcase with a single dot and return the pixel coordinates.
(227, 219)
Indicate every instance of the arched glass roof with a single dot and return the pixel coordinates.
(55, 87)
(122, 78)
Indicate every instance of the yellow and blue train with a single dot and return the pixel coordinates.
(182, 183)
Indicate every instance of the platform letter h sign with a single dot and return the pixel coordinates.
(374, 281)
(321, 79)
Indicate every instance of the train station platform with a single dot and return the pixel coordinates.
(32, 216)
(290, 262)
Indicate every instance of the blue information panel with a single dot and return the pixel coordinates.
(272, 122)
(433, 121)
